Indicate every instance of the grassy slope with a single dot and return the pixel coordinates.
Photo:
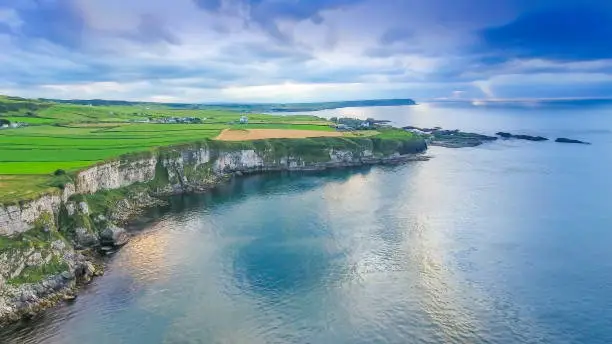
(72, 137)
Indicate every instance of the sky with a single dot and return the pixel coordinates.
(305, 50)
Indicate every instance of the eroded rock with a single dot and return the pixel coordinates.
(84, 208)
(85, 238)
(35, 259)
(114, 236)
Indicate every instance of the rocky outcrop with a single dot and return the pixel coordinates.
(129, 207)
(451, 138)
(85, 237)
(35, 276)
(565, 140)
(114, 236)
(520, 137)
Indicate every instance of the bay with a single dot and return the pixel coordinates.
(503, 243)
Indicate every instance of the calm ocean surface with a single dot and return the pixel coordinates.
(510, 242)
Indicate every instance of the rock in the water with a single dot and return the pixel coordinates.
(90, 269)
(565, 140)
(85, 238)
(450, 138)
(458, 139)
(114, 236)
(70, 297)
(521, 137)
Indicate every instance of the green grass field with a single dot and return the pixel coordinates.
(71, 137)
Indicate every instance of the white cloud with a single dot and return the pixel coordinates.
(228, 55)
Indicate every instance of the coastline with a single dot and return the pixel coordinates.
(83, 223)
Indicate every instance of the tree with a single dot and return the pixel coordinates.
(4, 122)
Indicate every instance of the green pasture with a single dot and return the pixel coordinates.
(72, 137)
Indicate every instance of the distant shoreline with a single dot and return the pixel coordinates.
(249, 107)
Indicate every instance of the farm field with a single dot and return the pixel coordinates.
(44, 149)
(71, 137)
(260, 134)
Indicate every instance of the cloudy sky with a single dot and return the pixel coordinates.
(305, 50)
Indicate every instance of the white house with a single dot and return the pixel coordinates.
(244, 120)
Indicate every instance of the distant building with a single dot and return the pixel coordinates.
(344, 127)
(417, 131)
(13, 125)
(244, 120)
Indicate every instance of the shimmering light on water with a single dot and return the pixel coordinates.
(504, 243)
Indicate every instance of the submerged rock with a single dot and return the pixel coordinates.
(114, 236)
(521, 137)
(565, 140)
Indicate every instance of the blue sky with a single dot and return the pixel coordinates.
(305, 50)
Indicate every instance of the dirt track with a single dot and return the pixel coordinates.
(260, 134)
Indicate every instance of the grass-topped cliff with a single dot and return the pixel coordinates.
(72, 174)
(70, 137)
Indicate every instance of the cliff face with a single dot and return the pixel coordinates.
(114, 175)
(37, 238)
(18, 218)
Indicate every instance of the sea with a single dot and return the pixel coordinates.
(508, 242)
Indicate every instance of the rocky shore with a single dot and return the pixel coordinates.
(521, 137)
(52, 245)
(459, 139)
(566, 140)
(451, 138)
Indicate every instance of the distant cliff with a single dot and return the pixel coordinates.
(47, 244)
(260, 107)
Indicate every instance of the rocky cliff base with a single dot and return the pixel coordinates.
(50, 246)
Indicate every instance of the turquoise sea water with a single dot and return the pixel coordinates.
(504, 243)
